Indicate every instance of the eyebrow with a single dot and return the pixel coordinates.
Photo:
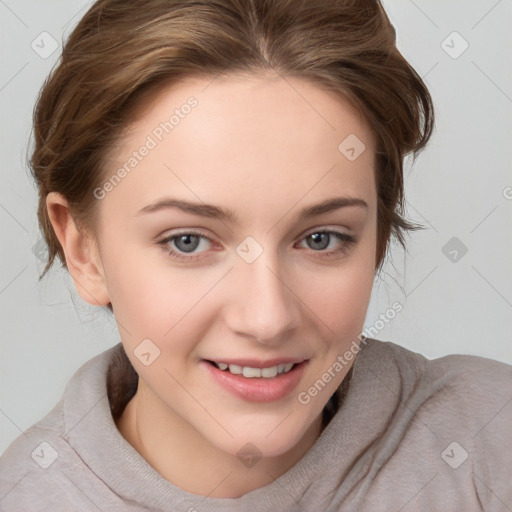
(216, 212)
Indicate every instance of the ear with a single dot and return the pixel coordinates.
(82, 255)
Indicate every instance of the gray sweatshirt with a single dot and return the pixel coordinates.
(412, 434)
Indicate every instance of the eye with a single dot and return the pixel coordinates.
(182, 244)
(321, 240)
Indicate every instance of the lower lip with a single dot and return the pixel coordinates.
(258, 389)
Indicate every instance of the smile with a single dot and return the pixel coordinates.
(264, 384)
(250, 373)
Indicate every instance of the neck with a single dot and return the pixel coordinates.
(186, 459)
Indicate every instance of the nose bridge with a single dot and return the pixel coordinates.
(263, 306)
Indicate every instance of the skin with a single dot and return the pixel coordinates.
(264, 147)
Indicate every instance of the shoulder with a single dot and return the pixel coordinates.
(36, 471)
(459, 375)
(455, 392)
(40, 468)
(475, 391)
(458, 412)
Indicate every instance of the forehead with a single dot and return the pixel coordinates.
(225, 137)
(259, 104)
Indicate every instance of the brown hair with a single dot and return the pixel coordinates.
(121, 50)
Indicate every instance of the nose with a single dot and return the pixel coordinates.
(262, 304)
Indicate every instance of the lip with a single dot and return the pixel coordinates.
(256, 363)
(257, 389)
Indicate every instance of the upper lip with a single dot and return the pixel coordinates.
(258, 363)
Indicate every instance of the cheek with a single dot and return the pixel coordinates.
(138, 289)
(340, 296)
(341, 304)
(152, 299)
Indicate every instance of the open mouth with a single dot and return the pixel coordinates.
(251, 373)
(257, 384)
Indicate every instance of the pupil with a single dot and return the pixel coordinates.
(322, 239)
(187, 243)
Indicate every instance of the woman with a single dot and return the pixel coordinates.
(225, 176)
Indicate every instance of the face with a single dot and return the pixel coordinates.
(243, 235)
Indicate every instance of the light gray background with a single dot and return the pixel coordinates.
(461, 186)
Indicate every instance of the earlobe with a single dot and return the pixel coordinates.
(82, 256)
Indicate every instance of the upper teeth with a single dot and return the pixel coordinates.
(247, 371)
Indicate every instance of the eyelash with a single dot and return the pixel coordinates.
(348, 241)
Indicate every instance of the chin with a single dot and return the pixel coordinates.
(264, 440)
